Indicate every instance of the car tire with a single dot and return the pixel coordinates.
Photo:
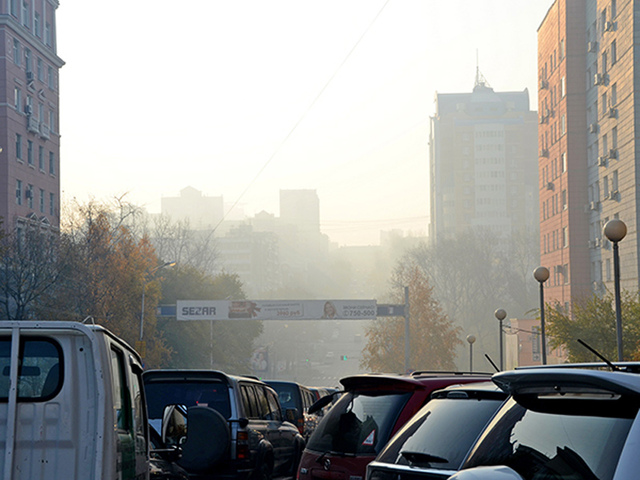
(199, 452)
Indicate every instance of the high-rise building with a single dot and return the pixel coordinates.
(29, 113)
(588, 145)
(483, 162)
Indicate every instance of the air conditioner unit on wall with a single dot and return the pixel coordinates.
(592, 46)
(612, 112)
(549, 185)
(608, 26)
(544, 84)
(602, 161)
(598, 79)
(593, 128)
(613, 153)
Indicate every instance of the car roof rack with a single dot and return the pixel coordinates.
(441, 372)
(629, 367)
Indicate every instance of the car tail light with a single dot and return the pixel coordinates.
(301, 426)
(242, 448)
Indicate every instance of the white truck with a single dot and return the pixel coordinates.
(71, 404)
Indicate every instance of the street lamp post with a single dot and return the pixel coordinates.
(541, 274)
(615, 230)
(471, 339)
(145, 280)
(500, 315)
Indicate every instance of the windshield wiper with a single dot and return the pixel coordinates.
(422, 459)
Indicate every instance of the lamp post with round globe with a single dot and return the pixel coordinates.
(615, 230)
(471, 339)
(500, 315)
(541, 274)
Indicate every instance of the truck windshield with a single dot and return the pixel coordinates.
(359, 423)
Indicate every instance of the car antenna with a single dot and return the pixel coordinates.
(600, 356)
(491, 362)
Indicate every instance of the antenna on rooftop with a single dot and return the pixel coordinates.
(480, 80)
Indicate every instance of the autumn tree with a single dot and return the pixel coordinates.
(593, 321)
(110, 267)
(433, 337)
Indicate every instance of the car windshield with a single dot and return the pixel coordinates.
(574, 444)
(440, 435)
(359, 423)
(209, 394)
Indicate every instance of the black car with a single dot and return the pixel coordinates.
(434, 443)
(234, 426)
(293, 395)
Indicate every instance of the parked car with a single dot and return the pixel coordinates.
(561, 424)
(434, 443)
(71, 403)
(250, 437)
(298, 398)
(370, 410)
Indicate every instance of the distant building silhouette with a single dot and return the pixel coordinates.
(201, 211)
(483, 162)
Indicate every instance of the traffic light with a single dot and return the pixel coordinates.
(344, 357)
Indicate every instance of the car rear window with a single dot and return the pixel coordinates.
(359, 423)
(189, 393)
(575, 443)
(441, 433)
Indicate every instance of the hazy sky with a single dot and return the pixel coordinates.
(244, 98)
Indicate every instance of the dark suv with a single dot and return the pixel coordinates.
(433, 444)
(371, 409)
(234, 425)
(292, 395)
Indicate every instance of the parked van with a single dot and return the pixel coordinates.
(72, 404)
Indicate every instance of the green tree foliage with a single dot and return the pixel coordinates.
(433, 337)
(594, 322)
(224, 345)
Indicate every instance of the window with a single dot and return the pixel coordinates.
(118, 380)
(47, 34)
(50, 77)
(563, 91)
(563, 125)
(16, 51)
(17, 98)
(564, 161)
(605, 106)
(28, 109)
(41, 158)
(18, 146)
(14, 7)
(614, 9)
(562, 49)
(564, 199)
(25, 13)
(36, 24)
(29, 194)
(614, 137)
(30, 152)
(614, 53)
(52, 204)
(52, 163)
(614, 181)
(19, 192)
(605, 63)
(614, 94)
(41, 198)
(40, 69)
(605, 186)
(27, 60)
(39, 365)
(52, 121)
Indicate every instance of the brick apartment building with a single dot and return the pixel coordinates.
(29, 113)
(588, 152)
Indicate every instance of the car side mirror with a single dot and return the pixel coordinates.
(499, 472)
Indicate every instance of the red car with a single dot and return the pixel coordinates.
(370, 411)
